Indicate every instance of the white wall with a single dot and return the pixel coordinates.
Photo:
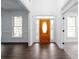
(44, 7)
(30, 36)
(7, 26)
(58, 31)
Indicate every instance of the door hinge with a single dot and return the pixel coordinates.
(63, 30)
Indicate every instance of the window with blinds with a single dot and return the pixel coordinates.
(17, 26)
(71, 26)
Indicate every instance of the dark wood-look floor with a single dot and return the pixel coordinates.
(71, 49)
(37, 51)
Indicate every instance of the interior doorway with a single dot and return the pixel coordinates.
(44, 31)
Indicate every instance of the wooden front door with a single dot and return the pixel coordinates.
(44, 31)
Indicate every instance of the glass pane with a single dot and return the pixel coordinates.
(51, 28)
(37, 29)
(71, 34)
(17, 31)
(51, 22)
(44, 27)
(17, 21)
(71, 28)
(37, 22)
(71, 21)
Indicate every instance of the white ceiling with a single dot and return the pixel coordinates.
(74, 8)
(45, 7)
(11, 5)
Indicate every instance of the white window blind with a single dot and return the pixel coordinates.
(17, 26)
(71, 21)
